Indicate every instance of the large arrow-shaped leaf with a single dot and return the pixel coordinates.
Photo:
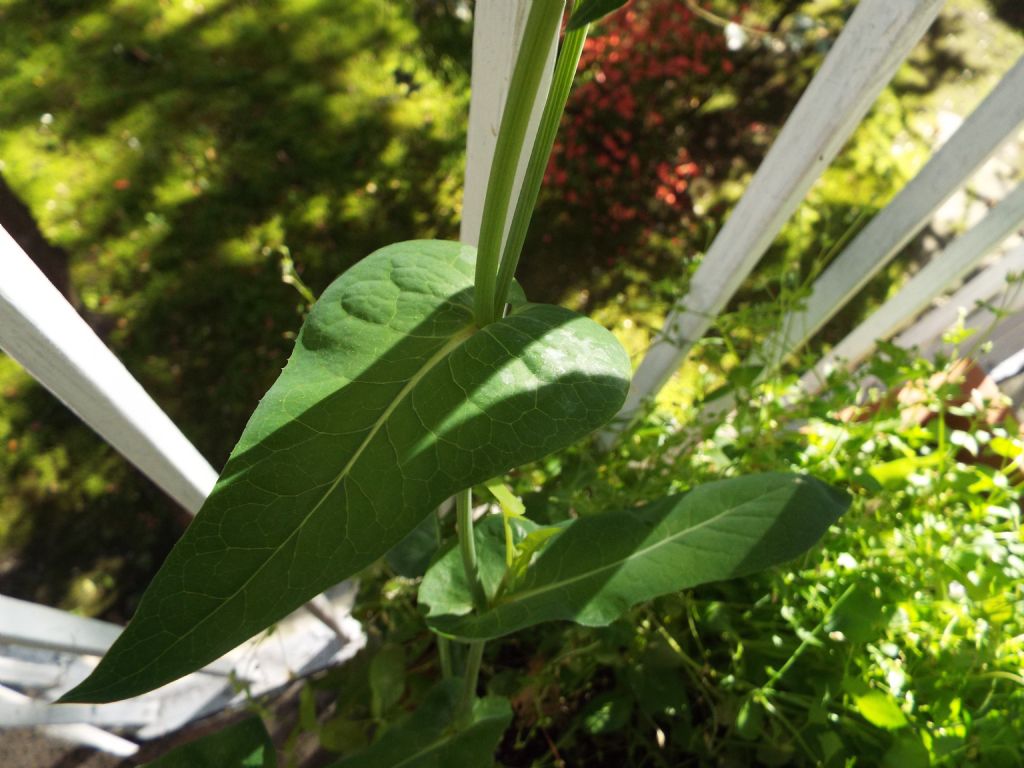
(600, 566)
(392, 401)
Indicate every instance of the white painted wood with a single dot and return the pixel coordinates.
(926, 333)
(878, 36)
(82, 735)
(953, 263)
(39, 626)
(497, 33)
(28, 674)
(297, 646)
(1006, 356)
(40, 330)
(996, 119)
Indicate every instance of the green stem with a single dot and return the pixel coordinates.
(444, 654)
(769, 686)
(538, 37)
(467, 547)
(474, 656)
(561, 83)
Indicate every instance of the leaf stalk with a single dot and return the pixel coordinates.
(561, 83)
(538, 37)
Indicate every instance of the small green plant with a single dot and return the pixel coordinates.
(419, 374)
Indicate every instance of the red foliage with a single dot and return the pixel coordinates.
(621, 161)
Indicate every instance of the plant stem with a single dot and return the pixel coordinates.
(444, 654)
(471, 674)
(467, 547)
(538, 37)
(561, 83)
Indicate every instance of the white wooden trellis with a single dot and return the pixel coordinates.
(992, 285)
(45, 651)
(996, 120)
(875, 41)
(950, 265)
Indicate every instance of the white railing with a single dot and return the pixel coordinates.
(874, 43)
(45, 651)
(952, 264)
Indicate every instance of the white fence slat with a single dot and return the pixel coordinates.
(1006, 357)
(498, 27)
(878, 36)
(994, 121)
(40, 330)
(82, 735)
(28, 674)
(953, 263)
(926, 333)
(32, 625)
(299, 645)
(39, 626)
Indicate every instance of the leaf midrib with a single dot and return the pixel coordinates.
(449, 346)
(522, 596)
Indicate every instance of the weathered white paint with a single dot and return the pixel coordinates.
(953, 263)
(40, 330)
(39, 626)
(299, 645)
(1005, 358)
(996, 119)
(497, 33)
(878, 36)
(992, 282)
(84, 735)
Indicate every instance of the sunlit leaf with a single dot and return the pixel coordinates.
(880, 709)
(600, 566)
(392, 401)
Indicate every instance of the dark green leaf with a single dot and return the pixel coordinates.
(392, 401)
(242, 745)
(593, 10)
(428, 739)
(411, 556)
(387, 679)
(607, 713)
(750, 720)
(600, 566)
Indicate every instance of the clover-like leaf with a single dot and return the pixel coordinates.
(392, 401)
(600, 566)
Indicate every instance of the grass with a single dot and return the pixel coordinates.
(177, 151)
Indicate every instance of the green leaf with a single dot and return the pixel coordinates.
(412, 555)
(387, 679)
(893, 474)
(242, 745)
(429, 740)
(880, 709)
(750, 719)
(392, 401)
(590, 11)
(607, 713)
(445, 582)
(600, 566)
